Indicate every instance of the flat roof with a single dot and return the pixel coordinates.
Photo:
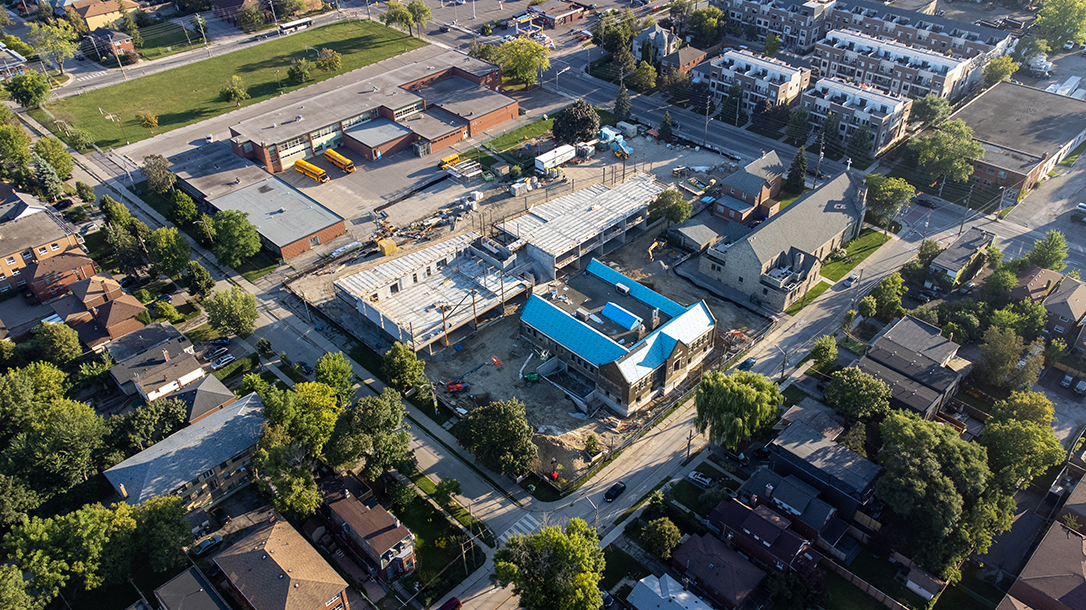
(590, 293)
(280, 213)
(213, 170)
(434, 123)
(1024, 119)
(377, 132)
(888, 49)
(27, 232)
(189, 590)
(755, 60)
(559, 225)
(847, 467)
(376, 85)
(958, 254)
(463, 98)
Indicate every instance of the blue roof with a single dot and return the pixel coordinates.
(620, 316)
(581, 339)
(651, 352)
(637, 291)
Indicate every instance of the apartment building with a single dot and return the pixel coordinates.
(885, 115)
(24, 241)
(762, 78)
(797, 23)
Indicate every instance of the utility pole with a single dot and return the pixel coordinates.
(965, 209)
(203, 34)
(689, 439)
(597, 512)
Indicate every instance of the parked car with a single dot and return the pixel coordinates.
(206, 546)
(608, 601)
(738, 458)
(308, 370)
(1081, 387)
(220, 515)
(508, 38)
(617, 489)
(920, 297)
(1067, 381)
(128, 281)
(220, 341)
(221, 362)
(926, 201)
(452, 604)
(215, 352)
(165, 297)
(850, 280)
(747, 364)
(700, 479)
(814, 173)
(445, 27)
(968, 287)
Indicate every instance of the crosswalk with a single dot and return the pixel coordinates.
(527, 525)
(90, 75)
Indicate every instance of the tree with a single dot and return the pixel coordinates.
(288, 8)
(85, 192)
(1061, 21)
(49, 183)
(661, 537)
(329, 61)
(56, 154)
(857, 394)
(679, 11)
(249, 18)
(57, 343)
(999, 69)
(182, 208)
(998, 354)
(592, 444)
(931, 109)
(886, 196)
(666, 127)
(553, 569)
(949, 151)
(157, 419)
(236, 237)
(169, 251)
(622, 104)
(577, 122)
(998, 285)
(117, 214)
(887, 295)
(445, 491)
(335, 371)
(372, 432)
(299, 70)
(644, 77)
(420, 12)
(772, 44)
(398, 15)
(1025, 406)
(500, 437)
(1049, 252)
(283, 469)
(848, 319)
(859, 145)
(867, 307)
(60, 445)
(232, 311)
(855, 439)
(733, 407)
(404, 370)
(13, 591)
(127, 253)
(1018, 450)
(524, 59)
(1028, 48)
(14, 146)
(56, 39)
(670, 205)
(157, 171)
(829, 132)
(796, 589)
(733, 105)
(797, 172)
(161, 530)
(704, 24)
(929, 249)
(200, 281)
(235, 91)
(798, 125)
(824, 351)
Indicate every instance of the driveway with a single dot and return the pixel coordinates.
(1070, 407)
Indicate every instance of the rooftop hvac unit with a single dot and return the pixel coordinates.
(582, 314)
(622, 288)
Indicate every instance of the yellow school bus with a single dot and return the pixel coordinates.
(450, 160)
(339, 160)
(311, 170)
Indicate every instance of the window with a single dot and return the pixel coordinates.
(394, 288)
(207, 475)
(1064, 319)
(28, 255)
(42, 250)
(54, 247)
(1002, 174)
(678, 364)
(1058, 329)
(16, 271)
(5, 288)
(740, 280)
(10, 260)
(21, 283)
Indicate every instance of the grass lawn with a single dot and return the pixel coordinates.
(188, 311)
(295, 375)
(427, 485)
(477, 154)
(508, 140)
(238, 367)
(361, 43)
(1070, 159)
(843, 595)
(713, 472)
(812, 294)
(793, 395)
(434, 549)
(852, 345)
(203, 333)
(274, 380)
(619, 565)
(257, 266)
(787, 199)
(165, 38)
(880, 573)
(99, 249)
(689, 495)
(858, 250)
(541, 490)
(606, 117)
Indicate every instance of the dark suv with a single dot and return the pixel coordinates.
(615, 491)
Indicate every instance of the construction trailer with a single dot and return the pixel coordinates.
(552, 159)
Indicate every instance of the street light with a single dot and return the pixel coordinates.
(784, 359)
(597, 512)
(555, 74)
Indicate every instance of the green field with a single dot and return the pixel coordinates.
(812, 294)
(361, 43)
(166, 38)
(858, 250)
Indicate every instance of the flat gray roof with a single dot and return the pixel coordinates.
(959, 253)
(213, 170)
(1024, 118)
(375, 85)
(376, 133)
(464, 98)
(845, 467)
(434, 123)
(280, 213)
(21, 234)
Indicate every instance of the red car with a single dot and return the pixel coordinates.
(452, 604)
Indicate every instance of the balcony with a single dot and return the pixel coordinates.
(780, 278)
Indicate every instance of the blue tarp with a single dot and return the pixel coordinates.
(621, 317)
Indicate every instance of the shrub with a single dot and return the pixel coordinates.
(142, 296)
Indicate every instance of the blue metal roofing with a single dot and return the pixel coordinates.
(653, 351)
(637, 291)
(620, 316)
(571, 333)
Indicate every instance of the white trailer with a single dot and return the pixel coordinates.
(550, 160)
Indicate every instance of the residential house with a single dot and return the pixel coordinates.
(1053, 578)
(168, 376)
(139, 343)
(683, 60)
(378, 539)
(815, 416)
(952, 262)
(135, 368)
(98, 310)
(228, 10)
(201, 464)
(189, 590)
(891, 66)
(917, 335)
(652, 593)
(102, 13)
(750, 193)
(109, 43)
(204, 397)
(917, 383)
(844, 479)
(777, 263)
(1066, 307)
(762, 78)
(28, 236)
(715, 571)
(765, 535)
(639, 344)
(1035, 284)
(50, 278)
(274, 568)
(885, 115)
(653, 44)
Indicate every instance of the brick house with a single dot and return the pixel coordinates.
(376, 537)
(109, 42)
(764, 534)
(31, 235)
(749, 193)
(50, 278)
(682, 60)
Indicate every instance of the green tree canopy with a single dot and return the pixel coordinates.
(949, 151)
(1025, 406)
(397, 15)
(857, 394)
(420, 13)
(500, 437)
(670, 205)
(234, 90)
(14, 146)
(733, 407)
(553, 569)
(157, 171)
(30, 89)
(56, 38)
(798, 125)
(306, 413)
(232, 311)
(999, 69)
(371, 432)
(335, 371)
(200, 281)
(886, 196)
(236, 239)
(58, 450)
(887, 295)
(824, 351)
(796, 179)
(577, 122)
(169, 251)
(772, 44)
(931, 109)
(182, 208)
(56, 153)
(1050, 251)
(116, 213)
(404, 370)
(524, 59)
(622, 104)
(666, 127)
(57, 343)
(1060, 21)
(643, 78)
(661, 537)
(1018, 450)
(283, 469)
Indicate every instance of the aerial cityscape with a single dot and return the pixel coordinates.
(542, 305)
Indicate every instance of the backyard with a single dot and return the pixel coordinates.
(437, 547)
(361, 43)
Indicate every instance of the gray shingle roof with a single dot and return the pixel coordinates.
(189, 590)
(203, 396)
(135, 344)
(181, 457)
(839, 466)
(919, 336)
(959, 253)
(755, 174)
(1069, 300)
